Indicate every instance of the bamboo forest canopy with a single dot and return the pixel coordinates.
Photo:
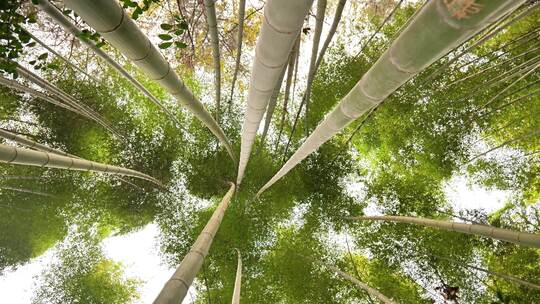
(288, 151)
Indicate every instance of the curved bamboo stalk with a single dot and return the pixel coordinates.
(210, 11)
(368, 289)
(67, 99)
(507, 235)
(17, 86)
(24, 190)
(282, 23)
(239, 38)
(108, 18)
(418, 46)
(290, 70)
(319, 23)
(69, 27)
(271, 107)
(177, 286)
(48, 48)
(32, 144)
(510, 278)
(331, 33)
(22, 177)
(533, 133)
(20, 156)
(238, 280)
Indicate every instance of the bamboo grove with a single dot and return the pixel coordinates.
(287, 151)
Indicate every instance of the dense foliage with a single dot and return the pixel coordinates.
(397, 160)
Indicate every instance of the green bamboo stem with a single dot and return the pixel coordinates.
(434, 32)
(331, 33)
(239, 39)
(24, 190)
(319, 23)
(281, 26)
(36, 94)
(69, 27)
(507, 235)
(507, 277)
(290, 70)
(210, 11)
(108, 18)
(521, 137)
(363, 286)
(21, 156)
(177, 286)
(238, 280)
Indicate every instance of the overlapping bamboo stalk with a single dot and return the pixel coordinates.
(437, 29)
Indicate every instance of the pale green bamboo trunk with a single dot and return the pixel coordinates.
(109, 19)
(20, 156)
(437, 29)
(210, 11)
(19, 87)
(239, 38)
(177, 286)
(271, 107)
(319, 22)
(517, 237)
(69, 27)
(370, 290)
(237, 281)
(282, 23)
(24, 190)
(331, 32)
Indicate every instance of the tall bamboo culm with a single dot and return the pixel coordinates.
(177, 286)
(237, 280)
(507, 235)
(109, 19)
(437, 29)
(69, 27)
(20, 156)
(211, 20)
(282, 23)
(370, 290)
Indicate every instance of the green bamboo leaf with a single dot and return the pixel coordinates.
(165, 45)
(166, 27)
(180, 44)
(165, 36)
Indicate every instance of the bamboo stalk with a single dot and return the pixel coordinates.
(290, 70)
(368, 289)
(507, 235)
(210, 11)
(281, 26)
(331, 33)
(108, 18)
(23, 190)
(238, 280)
(319, 23)
(69, 27)
(177, 286)
(434, 32)
(21, 156)
(239, 39)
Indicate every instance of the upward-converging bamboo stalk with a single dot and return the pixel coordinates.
(238, 280)
(239, 38)
(210, 11)
(319, 22)
(48, 48)
(68, 100)
(370, 290)
(68, 26)
(20, 156)
(108, 18)
(282, 23)
(177, 286)
(24, 190)
(521, 238)
(331, 32)
(438, 28)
